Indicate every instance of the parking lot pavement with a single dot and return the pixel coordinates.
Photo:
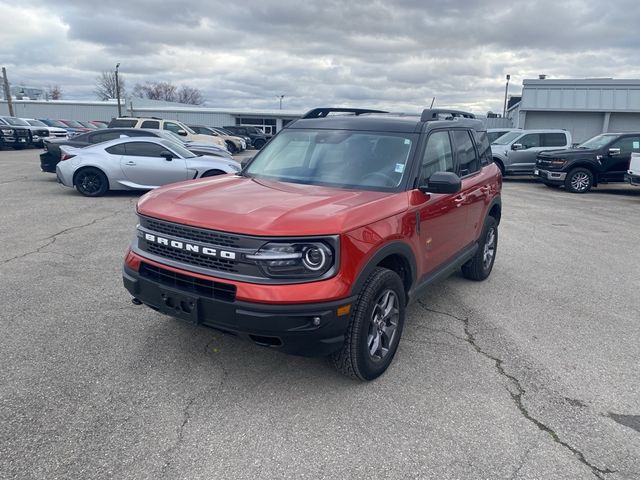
(531, 374)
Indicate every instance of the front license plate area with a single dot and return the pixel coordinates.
(178, 304)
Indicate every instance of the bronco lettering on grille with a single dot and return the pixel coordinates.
(189, 247)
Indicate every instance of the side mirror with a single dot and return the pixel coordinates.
(614, 151)
(182, 132)
(517, 146)
(442, 182)
(168, 156)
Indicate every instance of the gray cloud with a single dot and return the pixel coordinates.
(394, 54)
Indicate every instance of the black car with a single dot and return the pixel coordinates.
(257, 136)
(14, 136)
(603, 159)
(52, 154)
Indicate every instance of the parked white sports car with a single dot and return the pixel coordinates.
(134, 163)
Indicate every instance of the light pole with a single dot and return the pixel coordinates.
(506, 90)
(118, 90)
(281, 97)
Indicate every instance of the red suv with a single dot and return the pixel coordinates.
(318, 245)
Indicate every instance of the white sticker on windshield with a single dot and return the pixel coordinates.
(636, 145)
(399, 167)
(407, 141)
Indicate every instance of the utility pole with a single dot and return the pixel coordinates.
(433, 100)
(118, 90)
(281, 97)
(506, 91)
(7, 91)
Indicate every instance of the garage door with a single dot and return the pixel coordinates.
(624, 122)
(582, 125)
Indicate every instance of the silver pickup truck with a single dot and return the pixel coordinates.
(515, 152)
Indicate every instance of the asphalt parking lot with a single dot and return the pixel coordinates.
(531, 374)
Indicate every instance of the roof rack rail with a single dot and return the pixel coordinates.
(429, 115)
(323, 112)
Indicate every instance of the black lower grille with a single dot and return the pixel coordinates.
(186, 283)
(192, 258)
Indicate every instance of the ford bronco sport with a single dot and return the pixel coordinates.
(318, 245)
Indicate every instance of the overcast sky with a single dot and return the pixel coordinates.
(395, 54)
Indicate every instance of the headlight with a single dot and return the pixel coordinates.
(557, 162)
(7, 131)
(294, 259)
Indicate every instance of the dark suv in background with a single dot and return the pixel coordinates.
(257, 136)
(603, 159)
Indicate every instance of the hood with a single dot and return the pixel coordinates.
(250, 206)
(569, 153)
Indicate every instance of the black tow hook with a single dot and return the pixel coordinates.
(135, 301)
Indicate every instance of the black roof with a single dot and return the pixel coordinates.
(384, 122)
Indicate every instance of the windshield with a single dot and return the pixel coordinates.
(337, 158)
(597, 141)
(73, 124)
(56, 123)
(36, 123)
(171, 136)
(178, 148)
(18, 122)
(507, 138)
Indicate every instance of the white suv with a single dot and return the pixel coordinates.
(174, 126)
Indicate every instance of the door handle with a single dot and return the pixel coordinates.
(485, 189)
(459, 200)
(130, 163)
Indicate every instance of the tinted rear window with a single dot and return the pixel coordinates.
(123, 122)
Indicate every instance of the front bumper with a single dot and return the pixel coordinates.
(13, 141)
(632, 179)
(299, 329)
(549, 176)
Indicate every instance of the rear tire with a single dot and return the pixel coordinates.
(480, 266)
(212, 173)
(258, 144)
(579, 180)
(91, 182)
(375, 327)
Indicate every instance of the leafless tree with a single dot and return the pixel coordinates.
(168, 92)
(55, 92)
(190, 95)
(106, 85)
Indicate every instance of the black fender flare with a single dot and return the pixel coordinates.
(394, 248)
(496, 201)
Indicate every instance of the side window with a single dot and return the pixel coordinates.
(173, 127)
(150, 124)
(484, 149)
(468, 162)
(553, 139)
(437, 157)
(103, 137)
(627, 145)
(116, 149)
(144, 149)
(530, 140)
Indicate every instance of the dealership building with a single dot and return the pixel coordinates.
(585, 107)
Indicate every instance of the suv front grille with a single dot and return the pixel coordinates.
(191, 233)
(186, 283)
(221, 264)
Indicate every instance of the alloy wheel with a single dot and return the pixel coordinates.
(489, 248)
(383, 325)
(580, 181)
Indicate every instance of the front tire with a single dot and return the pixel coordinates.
(579, 180)
(375, 327)
(231, 147)
(91, 182)
(212, 173)
(480, 266)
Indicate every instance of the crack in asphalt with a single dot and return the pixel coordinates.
(520, 392)
(186, 416)
(521, 463)
(51, 239)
